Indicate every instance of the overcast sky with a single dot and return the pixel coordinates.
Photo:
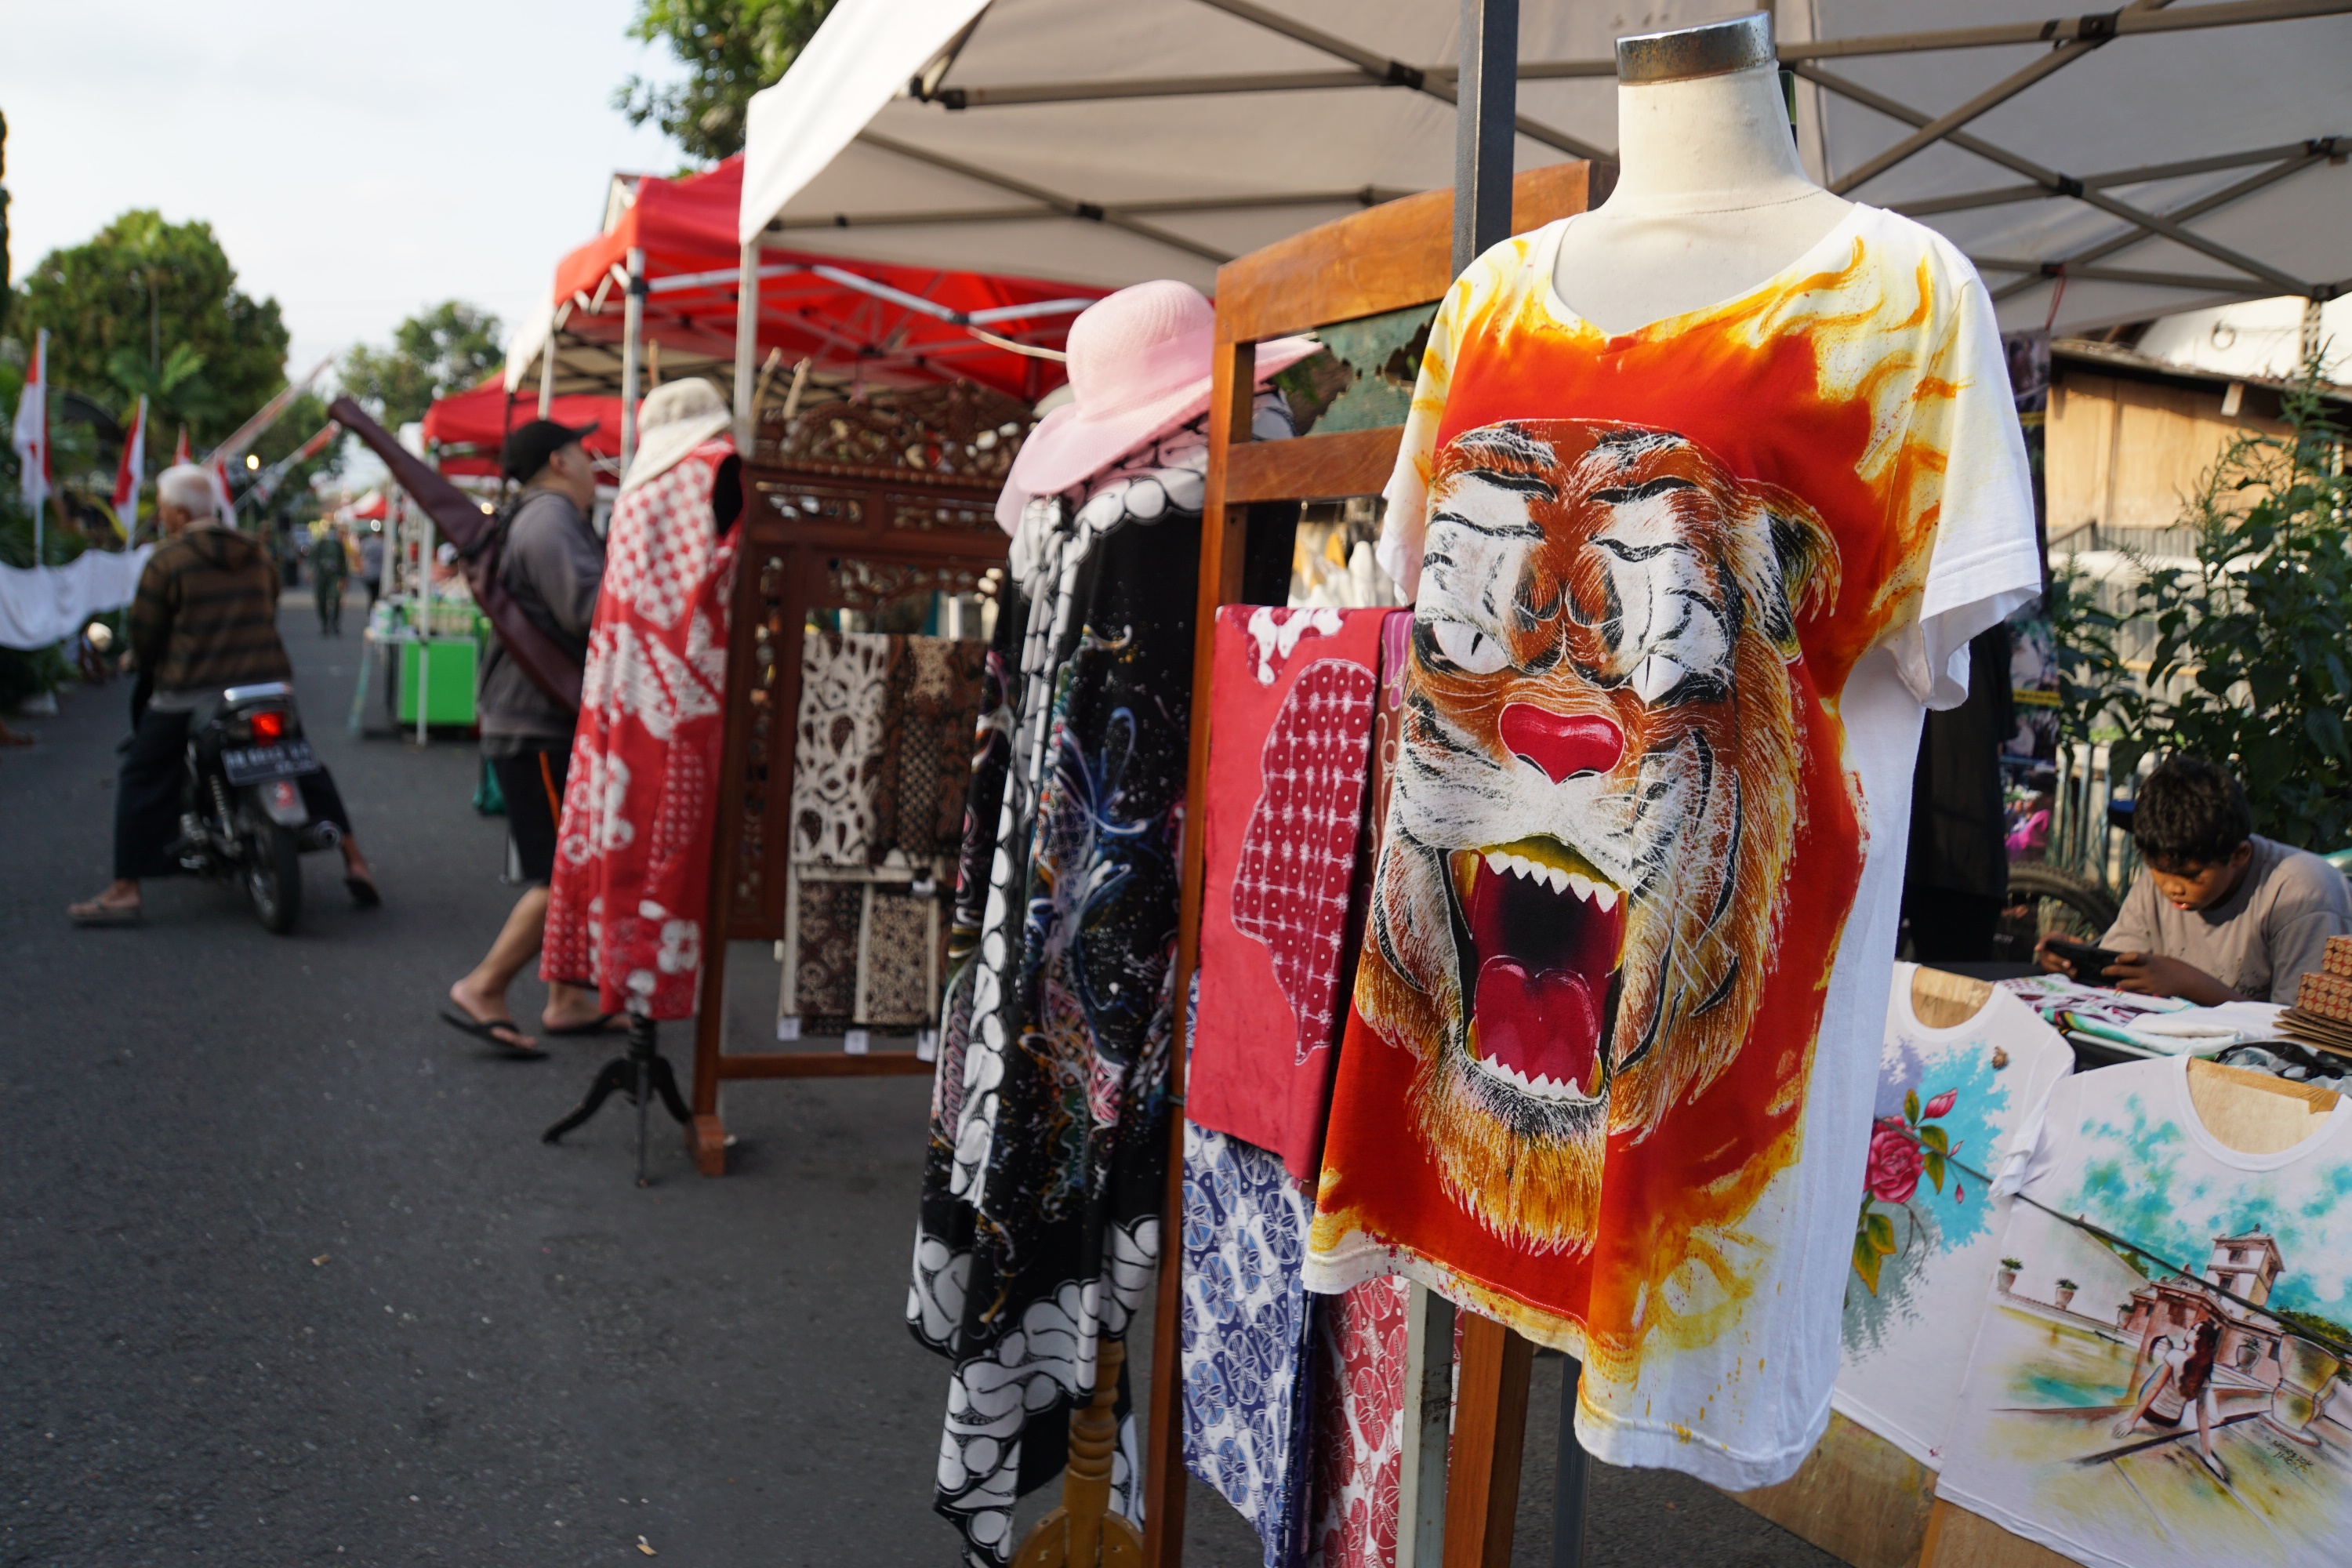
(356, 162)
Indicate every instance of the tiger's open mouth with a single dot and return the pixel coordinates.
(1539, 932)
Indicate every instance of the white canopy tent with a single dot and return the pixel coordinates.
(2099, 169)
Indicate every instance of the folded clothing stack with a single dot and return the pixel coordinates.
(2322, 1014)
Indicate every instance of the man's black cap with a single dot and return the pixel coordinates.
(528, 447)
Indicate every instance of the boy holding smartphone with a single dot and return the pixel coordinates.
(2219, 914)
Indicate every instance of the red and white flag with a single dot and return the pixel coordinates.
(180, 452)
(32, 430)
(223, 508)
(131, 473)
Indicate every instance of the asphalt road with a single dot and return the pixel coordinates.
(285, 1276)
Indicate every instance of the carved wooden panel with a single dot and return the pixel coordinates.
(943, 514)
(817, 504)
(774, 638)
(851, 584)
(960, 432)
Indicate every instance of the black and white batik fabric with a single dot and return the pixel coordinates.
(1040, 1220)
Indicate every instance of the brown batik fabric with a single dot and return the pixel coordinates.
(936, 705)
(825, 958)
(897, 931)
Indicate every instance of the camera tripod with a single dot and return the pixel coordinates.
(640, 1073)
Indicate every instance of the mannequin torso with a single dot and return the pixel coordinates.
(1710, 202)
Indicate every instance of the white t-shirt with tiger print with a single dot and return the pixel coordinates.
(1682, 596)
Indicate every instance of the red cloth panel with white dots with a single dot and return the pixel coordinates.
(1290, 741)
(631, 879)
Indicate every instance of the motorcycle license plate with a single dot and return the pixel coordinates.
(260, 765)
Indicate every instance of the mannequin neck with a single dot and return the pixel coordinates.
(1714, 143)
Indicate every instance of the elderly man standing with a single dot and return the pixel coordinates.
(204, 618)
(552, 563)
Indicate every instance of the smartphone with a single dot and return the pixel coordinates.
(2090, 962)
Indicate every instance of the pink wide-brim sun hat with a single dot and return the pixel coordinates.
(1139, 364)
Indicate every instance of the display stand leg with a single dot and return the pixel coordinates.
(1083, 1533)
(641, 1073)
(1574, 1478)
(1428, 1422)
(1490, 1429)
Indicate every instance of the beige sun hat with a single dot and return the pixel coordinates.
(672, 422)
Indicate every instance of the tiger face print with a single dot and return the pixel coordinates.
(1595, 800)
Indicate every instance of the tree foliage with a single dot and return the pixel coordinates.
(444, 350)
(731, 48)
(151, 306)
(2252, 660)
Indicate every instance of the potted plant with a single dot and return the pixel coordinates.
(2007, 1278)
(2066, 1288)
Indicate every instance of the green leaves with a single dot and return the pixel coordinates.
(151, 306)
(435, 353)
(731, 48)
(1874, 1243)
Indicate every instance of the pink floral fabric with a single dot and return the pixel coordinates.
(1359, 1447)
(626, 905)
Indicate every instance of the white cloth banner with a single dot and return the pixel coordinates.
(42, 605)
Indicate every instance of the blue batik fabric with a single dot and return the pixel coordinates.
(1245, 1335)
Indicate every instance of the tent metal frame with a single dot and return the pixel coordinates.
(2071, 39)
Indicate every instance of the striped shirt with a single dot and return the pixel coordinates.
(206, 616)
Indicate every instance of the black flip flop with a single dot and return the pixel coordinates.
(363, 891)
(486, 1031)
(593, 1027)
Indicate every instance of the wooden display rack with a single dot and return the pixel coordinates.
(825, 526)
(1387, 258)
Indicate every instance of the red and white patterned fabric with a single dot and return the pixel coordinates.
(632, 879)
(1300, 848)
(1358, 1443)
(1290, 746)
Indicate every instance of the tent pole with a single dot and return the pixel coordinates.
(547, 375)
(633, 327)
(746, 349)
(1485, 107)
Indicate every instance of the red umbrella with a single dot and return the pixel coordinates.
(902, 324)
(469, 426)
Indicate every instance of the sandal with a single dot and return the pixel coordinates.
(599, 1024)
(363, 891)
(487, 1031)
(98, 914)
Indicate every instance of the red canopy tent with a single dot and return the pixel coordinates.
(469, 426)
(890, 324)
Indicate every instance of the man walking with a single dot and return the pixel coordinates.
(329, 570)
(204, 618)
(552, 563)
(372, 566)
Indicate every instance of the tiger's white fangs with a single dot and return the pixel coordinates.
(1543, 868)
(1540, 1086)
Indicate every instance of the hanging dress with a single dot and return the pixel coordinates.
(626, 906)
(1041, 1206)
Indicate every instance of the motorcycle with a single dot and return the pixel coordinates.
(243, 817)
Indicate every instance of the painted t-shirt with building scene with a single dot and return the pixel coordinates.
(2183, 1407)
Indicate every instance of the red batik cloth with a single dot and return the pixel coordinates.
(1289, 754)
(632, 881)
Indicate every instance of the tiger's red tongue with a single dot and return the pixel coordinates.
(1538, 1025)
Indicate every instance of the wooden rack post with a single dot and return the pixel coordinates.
(1391, 257)
(817, 536)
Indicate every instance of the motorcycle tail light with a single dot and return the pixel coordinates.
(268, 725)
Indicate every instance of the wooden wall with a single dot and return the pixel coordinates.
(2122, 452)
